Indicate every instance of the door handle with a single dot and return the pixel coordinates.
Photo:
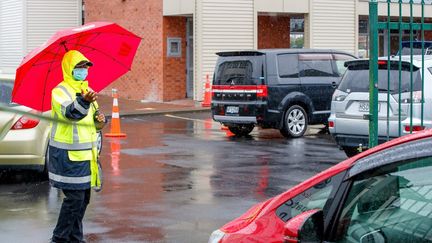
(334, 85)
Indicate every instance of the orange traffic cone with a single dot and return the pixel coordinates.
(207, 94)
(115, 118)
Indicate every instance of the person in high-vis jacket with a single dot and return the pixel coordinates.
(73, 155)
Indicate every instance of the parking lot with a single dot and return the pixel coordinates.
(173, 179)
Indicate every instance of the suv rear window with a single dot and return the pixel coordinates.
(238, 72)
(356, 79)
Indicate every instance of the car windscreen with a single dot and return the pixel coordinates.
(356, 79)
(6, 88)
(415, 51)
(240, 72)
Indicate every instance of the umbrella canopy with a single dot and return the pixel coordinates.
(108, 46)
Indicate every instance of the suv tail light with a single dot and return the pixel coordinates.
(414, 128)
(331, 124)
(25, 122)
(406, 97)
(262, 91)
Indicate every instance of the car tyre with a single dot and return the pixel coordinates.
(350, 151)
(241, 130)
(295, 122)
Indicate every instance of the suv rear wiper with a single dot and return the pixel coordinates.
(232, 78)
(381, 89)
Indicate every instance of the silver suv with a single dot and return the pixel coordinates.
(349, 120)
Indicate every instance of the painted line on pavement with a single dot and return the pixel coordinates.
(186, 118)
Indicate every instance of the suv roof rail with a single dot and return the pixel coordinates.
(239, 53)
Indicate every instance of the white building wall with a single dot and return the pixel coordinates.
(43, 19)
(11, 35)
(332, 24)
(221, 25)
(178, 7)
(27, 24)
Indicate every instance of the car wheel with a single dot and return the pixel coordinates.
(99, 142)
(350, 151)
(296, 122)
(241, 130)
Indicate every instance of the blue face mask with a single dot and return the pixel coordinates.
(80, 74)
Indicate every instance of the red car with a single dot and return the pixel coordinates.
(381, 195)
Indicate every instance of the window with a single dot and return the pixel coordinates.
(363, 41)
(315, 65)
(288, 66)
(392, 204)
(316, 197)
(5, 92)
(174, 47)
(234, 73)
(340, 63)
(357, 79)
(297, 32)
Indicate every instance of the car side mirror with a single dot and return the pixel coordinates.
(334, 84)
(305, 227)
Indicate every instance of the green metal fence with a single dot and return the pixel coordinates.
(392, 25)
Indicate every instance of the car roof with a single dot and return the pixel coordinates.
(412, 149)
(7, 77)
(278, 51)
(417, 60)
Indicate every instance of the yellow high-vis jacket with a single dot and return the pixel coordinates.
(72, 162)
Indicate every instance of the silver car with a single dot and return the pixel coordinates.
(349, 120)
(23, 139)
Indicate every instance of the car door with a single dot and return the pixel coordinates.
(283, 82)
(389, 203)
(317, 76)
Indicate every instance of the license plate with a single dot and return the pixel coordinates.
(364, 106)
(232, 110)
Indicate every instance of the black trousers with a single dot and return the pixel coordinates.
(69, 224)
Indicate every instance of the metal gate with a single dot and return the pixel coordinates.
(396, 62)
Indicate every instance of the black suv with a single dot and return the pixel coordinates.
(286, 89)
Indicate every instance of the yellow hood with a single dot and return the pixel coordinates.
(70, 59)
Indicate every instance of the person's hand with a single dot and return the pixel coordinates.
(101, 118)
(90, 96)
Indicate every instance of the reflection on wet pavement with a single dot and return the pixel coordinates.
(170, 180)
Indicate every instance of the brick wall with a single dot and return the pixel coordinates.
(174, 68)
(273, 32)
(144, 18)
(428, 35)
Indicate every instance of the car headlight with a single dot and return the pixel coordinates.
(339, 98)
(216, 236)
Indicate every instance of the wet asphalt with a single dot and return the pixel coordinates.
(173, 179)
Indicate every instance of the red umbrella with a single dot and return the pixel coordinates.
(108, 46)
